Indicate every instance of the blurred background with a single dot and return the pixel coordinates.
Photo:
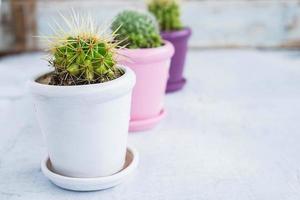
(232, 133)
(215, 23)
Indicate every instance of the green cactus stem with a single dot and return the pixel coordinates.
(83, 56)
(167, 13)
(136, 29)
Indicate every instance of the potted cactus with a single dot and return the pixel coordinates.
(83, 103)
(167, 13)
(149, 57)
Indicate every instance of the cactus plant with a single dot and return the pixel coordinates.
(167, 13)
(136, 29)
(81, 54)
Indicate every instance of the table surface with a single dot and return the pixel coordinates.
(232, 133)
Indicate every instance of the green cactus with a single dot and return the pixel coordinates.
(136, 29)
(82, 56)
(167, 13)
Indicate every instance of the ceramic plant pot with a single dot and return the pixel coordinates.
(85, 126)
(151, 67)
(180, 41)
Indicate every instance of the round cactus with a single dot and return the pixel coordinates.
(81, 55)
(136, 30)
(167, 13)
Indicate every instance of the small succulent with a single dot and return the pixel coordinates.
(82, 55)
(136, 30)
(167, 13)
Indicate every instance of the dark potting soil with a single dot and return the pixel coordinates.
(65, 79)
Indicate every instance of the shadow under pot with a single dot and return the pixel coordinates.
(85, 126)
(151, 67)
(179, 39)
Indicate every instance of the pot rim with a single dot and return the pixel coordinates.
(123, 84)
(146, 55)
(184, 32)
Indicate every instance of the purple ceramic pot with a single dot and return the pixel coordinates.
(180, 40)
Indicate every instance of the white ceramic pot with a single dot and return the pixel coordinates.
(85, 126)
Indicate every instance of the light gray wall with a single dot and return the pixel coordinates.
(215, 23)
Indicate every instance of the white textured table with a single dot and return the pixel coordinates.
(231, 134)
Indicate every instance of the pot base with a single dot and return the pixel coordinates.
(175, 86)
(145, 124)
(92, 184)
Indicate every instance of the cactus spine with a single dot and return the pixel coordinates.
(136, 29)
(82, 54)
(167, 13)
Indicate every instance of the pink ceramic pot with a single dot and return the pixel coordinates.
(151, 67)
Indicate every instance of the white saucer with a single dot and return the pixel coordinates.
(91, 184)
